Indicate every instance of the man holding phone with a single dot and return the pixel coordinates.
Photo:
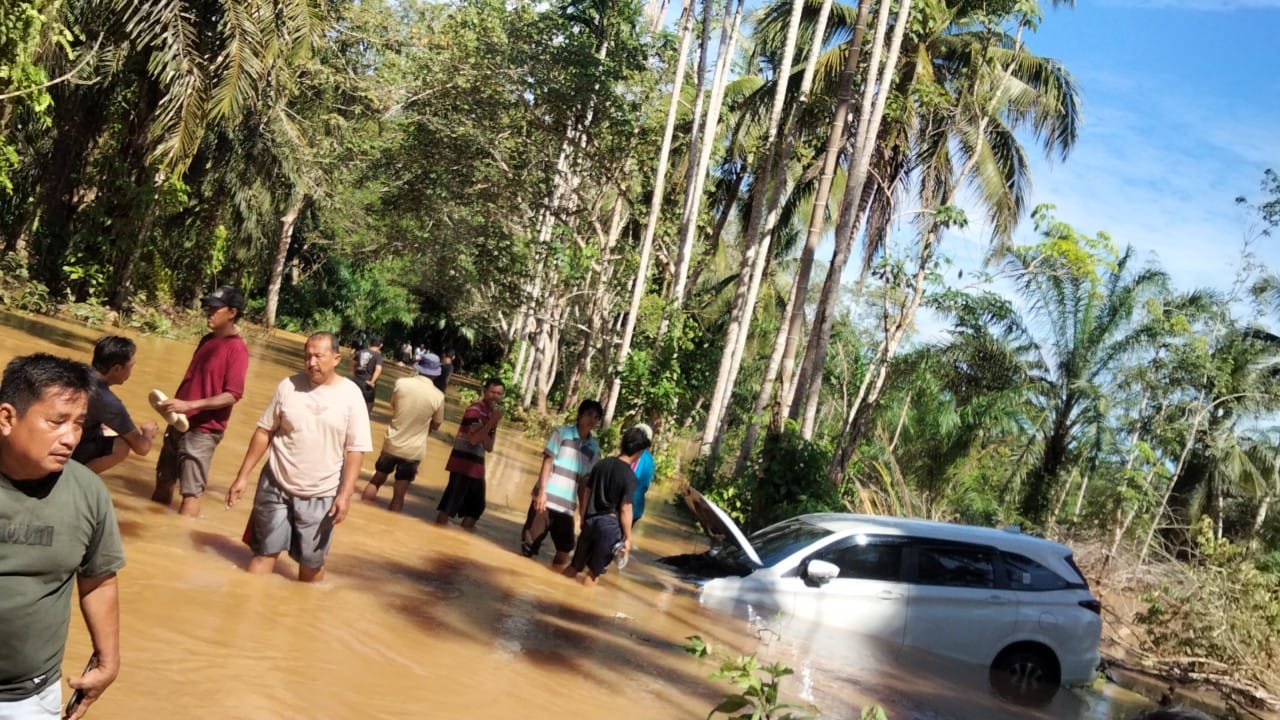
(56, 525)
(464, 495)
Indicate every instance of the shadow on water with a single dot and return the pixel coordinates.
(235, 551)
(473, 599)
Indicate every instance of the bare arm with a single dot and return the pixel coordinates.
(187, 407)
(377, 373)
(481, 432)
(540, 490)
(139, 440)
(351, 463)
(624, 519)
(584, 496)
(100, 605)
(257, 448)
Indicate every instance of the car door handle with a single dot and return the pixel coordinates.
(888, 595)
(998, 600)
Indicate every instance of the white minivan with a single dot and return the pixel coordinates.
(998, 598)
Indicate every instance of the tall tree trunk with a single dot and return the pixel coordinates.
(282, 252)
(794, 299)
(601, 296)
(817, 219)
(1173, 480)
(871, 110)
(756, 242)
(653, 12)
(1084, 485)
(874, 95)
(698, 177)
(641, 282)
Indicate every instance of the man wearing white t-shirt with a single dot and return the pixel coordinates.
(317, 430)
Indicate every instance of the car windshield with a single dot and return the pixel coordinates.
(776, 542)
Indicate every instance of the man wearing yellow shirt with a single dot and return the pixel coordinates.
(417, 409)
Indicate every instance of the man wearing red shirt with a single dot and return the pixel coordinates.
(213, 383)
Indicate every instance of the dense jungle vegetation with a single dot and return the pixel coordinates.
(735, 222)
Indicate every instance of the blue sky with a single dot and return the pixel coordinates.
(1181, 116)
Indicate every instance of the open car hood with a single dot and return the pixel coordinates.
(718, 524)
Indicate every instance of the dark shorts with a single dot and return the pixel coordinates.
(539, 524)
(368, 391)
(463, 497)
(93, 448)
(185, 459)
(405, 470)
(281, 522)
(595, 546)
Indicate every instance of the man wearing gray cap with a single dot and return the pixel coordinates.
(417, 409)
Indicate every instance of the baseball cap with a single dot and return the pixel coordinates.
(225, 296)
(428, 364)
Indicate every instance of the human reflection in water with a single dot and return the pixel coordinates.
(317, 430)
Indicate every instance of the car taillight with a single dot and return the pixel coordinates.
(1093, 605)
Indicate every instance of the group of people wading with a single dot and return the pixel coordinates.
(60, 424)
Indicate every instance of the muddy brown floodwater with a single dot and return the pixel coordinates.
(415, 620)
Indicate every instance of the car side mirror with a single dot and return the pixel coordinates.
(820, 572)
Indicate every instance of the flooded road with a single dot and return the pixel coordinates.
(415, 620)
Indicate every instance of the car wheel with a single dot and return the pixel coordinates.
(1026, 675)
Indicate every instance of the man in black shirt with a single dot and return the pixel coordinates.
(113, 358)
(605, 500)
(366, 368)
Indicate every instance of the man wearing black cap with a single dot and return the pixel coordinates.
(214, 381)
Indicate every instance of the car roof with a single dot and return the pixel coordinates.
(1012, 540)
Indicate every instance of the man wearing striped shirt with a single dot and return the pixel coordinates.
(567, 459)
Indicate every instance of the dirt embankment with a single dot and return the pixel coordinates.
(1133, 662)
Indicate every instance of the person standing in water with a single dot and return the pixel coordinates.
(417, 410)
(56, 525)
(567, 459)
(366, 368)
(606, 509)
(464, 495)
(214, 382)
(317, 431)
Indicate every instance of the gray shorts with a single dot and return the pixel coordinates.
(185, 459)
(283, 522)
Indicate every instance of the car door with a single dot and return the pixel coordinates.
(868, 596)
(957, 607)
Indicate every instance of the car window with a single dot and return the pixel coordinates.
(1023, 573)
(874, 559)
(955, 566)
(777, 542)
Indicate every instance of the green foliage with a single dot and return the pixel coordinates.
(757, 696)
(18, 290)
(756, 688)
(342, 297)
(27, 27)
(788, 476)
(1224, 590)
